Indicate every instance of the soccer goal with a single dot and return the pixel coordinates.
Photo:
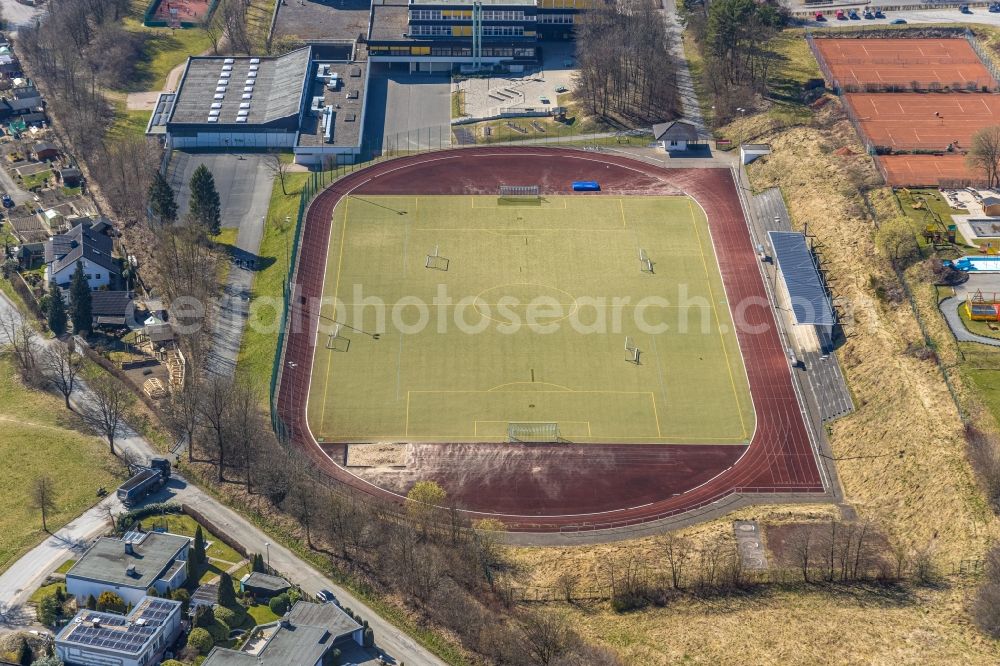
(519, 195)
(645, 263)
(631, 351)
(533, 432)
(338, 342)
(435, 261)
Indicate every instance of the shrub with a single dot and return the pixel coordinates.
(110, 602)
(49, 610)
(200, 640)
(183, 596)
(279, 605)
(171, 662)
(204, 616)
(233, 615)
(369, 638)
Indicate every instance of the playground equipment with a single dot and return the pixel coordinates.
(983, 307)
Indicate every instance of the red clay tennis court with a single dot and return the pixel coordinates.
(902, 61)
(929, 170)
(188, 11)
(924, 121)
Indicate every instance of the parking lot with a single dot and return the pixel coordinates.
(243, 181)
(407, 111)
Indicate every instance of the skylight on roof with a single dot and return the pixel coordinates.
(228, 61)
(247, 96)
(219, 96)
(248, 89)
(242, 119)
(227, 68)
(244, 105)
(216, 105)
(254, 61)
(213, 119)
(220, 89)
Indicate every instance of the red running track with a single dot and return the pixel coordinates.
(548, 488)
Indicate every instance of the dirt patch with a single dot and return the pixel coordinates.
(384, 454)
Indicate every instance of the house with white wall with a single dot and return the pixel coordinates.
(141, 638)
(130, 566)
(88, 243)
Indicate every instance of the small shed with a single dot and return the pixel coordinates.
(263, 586)
(991, 206)
(675, 135)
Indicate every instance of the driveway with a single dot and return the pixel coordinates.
(244, 183)
(407, 111)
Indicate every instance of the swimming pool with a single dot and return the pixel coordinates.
(979, 264)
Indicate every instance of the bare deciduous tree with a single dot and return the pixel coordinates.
(678, 551)
(19, 340)
(110, 410)
(984, 154)
(43, 497)
(61, 365)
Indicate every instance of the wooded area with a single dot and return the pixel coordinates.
(626, 71)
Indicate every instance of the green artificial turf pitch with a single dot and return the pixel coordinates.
(543, 339)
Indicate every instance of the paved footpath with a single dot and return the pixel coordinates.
(24, 576)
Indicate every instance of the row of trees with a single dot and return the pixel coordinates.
(626, 69)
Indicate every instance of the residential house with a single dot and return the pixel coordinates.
(306, 636)
(88, 243)
(43, 150)
(129, 566)
(12, 108)
(9, 66)
(140, 638)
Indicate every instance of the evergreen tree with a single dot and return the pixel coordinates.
(227, 595)
(198, 550)
(205, 206)
(91, 602)
(24, 656)
(79, 292)
(258, 563)
(162, 202)
(56, 313)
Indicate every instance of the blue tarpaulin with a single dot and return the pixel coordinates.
(586, 186)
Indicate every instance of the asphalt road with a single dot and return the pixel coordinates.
(17, 15)
(25, 575)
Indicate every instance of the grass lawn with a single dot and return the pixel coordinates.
(520, 340)
(163, 50)
(262, 614)
(931, 210)
(65, 566)
(257, 349)
(179, 523)
(128, 123)
(794, 66)
(45, 591)
(37, 439)
(35, 180)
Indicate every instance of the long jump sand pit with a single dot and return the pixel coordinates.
(924, 121)
(900, 62)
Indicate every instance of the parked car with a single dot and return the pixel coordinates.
(561, 89)
(868, 14)
(879, 14)
(819, 16)
(964, 9)
(853, 15)
(327, 597)
(994, 8)
(897, 22)
(7, 201)
(841, 16)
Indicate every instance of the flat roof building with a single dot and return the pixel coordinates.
(130, 566)
(310, 101)
(93, 638)
(440, 35)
